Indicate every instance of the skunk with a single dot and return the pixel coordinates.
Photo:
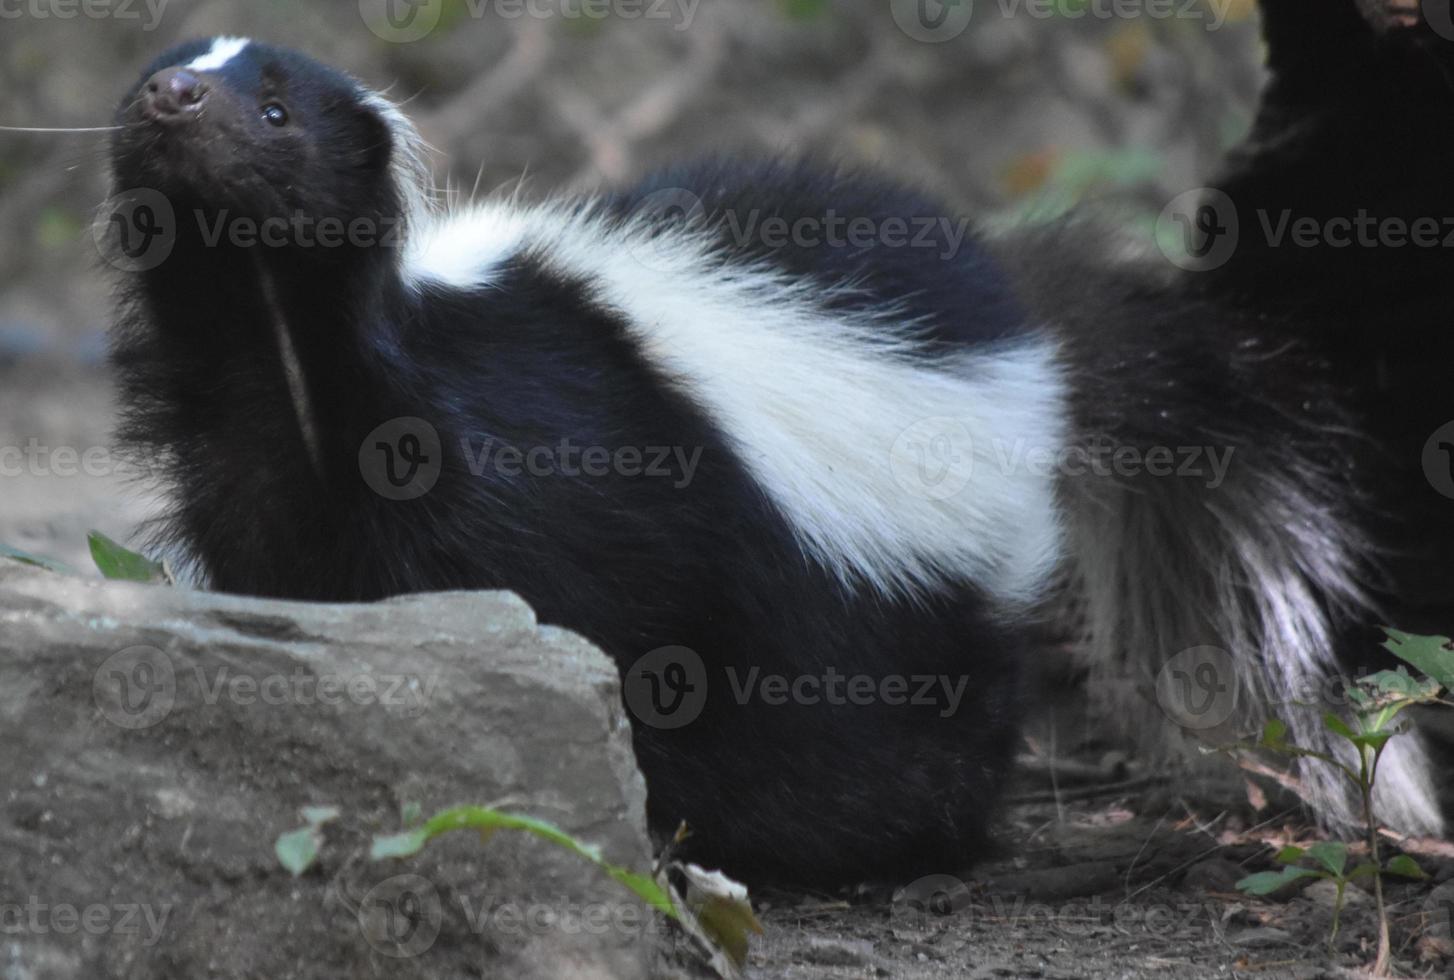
(808, 458)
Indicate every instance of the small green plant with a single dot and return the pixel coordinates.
(1329, 861)
(487, 821)
(26, 558)
(1433, 656)
(119, 564)
(113, 561)
(712, 909)
(298, 849)
(1376, 703)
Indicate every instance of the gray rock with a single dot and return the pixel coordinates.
(155, 742)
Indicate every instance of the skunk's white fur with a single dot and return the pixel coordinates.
(823, 406)
(1157, 571)
(223, 50)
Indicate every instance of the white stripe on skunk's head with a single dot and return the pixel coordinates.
(409, 161)
(223, 50)
(262, 132)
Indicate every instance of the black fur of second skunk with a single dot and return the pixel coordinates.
(809, 494)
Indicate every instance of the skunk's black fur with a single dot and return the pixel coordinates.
(1358, 117)
(268, 497)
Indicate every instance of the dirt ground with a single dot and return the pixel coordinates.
(1107, 868)
(1096, 890)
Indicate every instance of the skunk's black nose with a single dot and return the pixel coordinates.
(174, 93)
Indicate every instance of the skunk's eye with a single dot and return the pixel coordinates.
(275, 114)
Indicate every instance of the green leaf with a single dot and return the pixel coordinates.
(1332, 855)
(1267, 882)
(1274, 733)
(723, 909)
(1337, 725)
(1378, 698)
(1364, 870)
(1430, 655)
(317, 816)
(117, 563)
(1401, 684)
(406, 844)
(26, 558)
(1289, 855)
(1406, 867)
(297, 849)
(1372, 740)
(487, 821)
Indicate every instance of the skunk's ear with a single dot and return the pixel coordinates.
(375, 139)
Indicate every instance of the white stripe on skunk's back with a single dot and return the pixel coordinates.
(896, 470)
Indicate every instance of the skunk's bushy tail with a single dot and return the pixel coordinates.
(1218, 559)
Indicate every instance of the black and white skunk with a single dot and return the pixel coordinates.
(816, 483)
